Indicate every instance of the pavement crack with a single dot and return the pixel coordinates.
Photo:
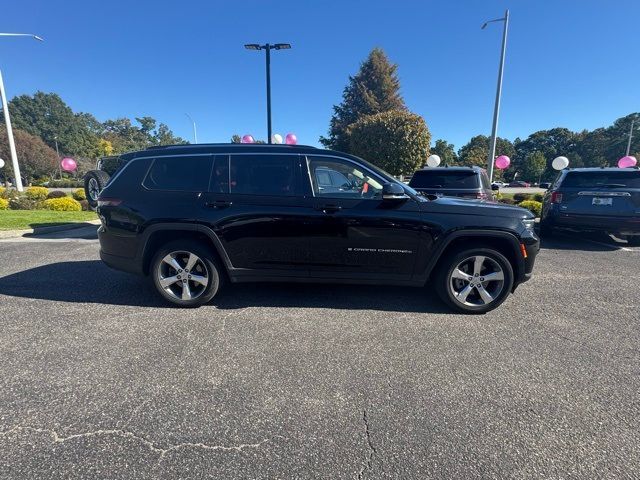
(367, 464)
(127, 434)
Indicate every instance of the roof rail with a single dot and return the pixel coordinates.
(196, 145)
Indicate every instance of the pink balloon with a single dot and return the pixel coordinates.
(503, 162)
(628, 161)
(247, 139)
(68, 164)
(291, 139)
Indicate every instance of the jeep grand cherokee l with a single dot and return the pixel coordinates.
(191, 217)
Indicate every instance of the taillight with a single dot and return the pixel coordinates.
(556, 197)
(109, 202)
(481, 196)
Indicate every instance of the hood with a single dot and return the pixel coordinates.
(489, 208)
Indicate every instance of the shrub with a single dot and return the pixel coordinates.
(36, 193)
(507, 201)
(79, 194)
(22, 202)
(66, 183)
(538, 197)
(66, 204)
(521, 197)
(533, 206)
(4, 204)
(56, 194)
(3, 192)
(85, 205)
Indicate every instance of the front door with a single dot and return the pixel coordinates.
(352, 232)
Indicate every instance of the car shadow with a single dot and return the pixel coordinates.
(91, 281)
(83, 230)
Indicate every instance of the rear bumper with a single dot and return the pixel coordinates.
(595, 223)
(123, 264)
(119, 251)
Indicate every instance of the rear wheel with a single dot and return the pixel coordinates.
(186, 273)
(475, 280)
(94, 182)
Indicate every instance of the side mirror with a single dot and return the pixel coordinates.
(393, 192)
(495, 187)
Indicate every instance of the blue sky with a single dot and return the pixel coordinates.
(569, 63)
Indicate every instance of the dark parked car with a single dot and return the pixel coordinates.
(519, 184)
(194, 216)
(463, 182)
(594, 199)
(545, 185)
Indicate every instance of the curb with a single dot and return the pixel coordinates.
(42, 230)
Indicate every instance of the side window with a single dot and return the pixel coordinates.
(220, 174)
(336, 178)
(181, 173)
(485, 181)
(262, 175)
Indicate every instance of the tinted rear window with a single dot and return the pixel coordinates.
(444, 179)
(628, 179)
(184, 173)
(262, 175)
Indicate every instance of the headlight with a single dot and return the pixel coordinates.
(529, 224)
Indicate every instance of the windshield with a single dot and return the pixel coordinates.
(445, 179)
(611, 179)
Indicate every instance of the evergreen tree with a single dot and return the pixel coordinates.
(374, 89)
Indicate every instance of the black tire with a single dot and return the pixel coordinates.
(207, 266)
(443, 279)
(94, 182)
(546, 230)
(634, 241)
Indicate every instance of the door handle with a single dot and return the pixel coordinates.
(218, 204)
(329, 208)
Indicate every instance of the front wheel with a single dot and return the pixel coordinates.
(185, 273)
(475, 280)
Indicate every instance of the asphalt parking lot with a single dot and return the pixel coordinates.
(99, 379)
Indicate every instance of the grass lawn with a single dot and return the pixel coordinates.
(23, 219)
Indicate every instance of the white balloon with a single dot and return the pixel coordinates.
(560, 163)
(276, 138)
(433, 161)
(1, 163)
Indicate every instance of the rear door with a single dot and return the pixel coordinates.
(254, 205)
(605, 192)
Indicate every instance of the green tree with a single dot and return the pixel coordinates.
(47, 116)
(396, 141)
(236, 138)
(476, 153)
(445, 151)
(374, 89)
(532, 168)
(36, 158)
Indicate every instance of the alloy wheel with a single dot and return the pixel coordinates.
(94, 189)
(477, 281)
(183, 275)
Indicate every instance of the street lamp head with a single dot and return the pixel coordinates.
(282, 46)
(252, 46)
(484, 25)
(40, 39)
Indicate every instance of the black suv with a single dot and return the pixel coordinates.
(463, 182)
(594, 199)
(194, 216)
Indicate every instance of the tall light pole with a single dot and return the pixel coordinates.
(496, 110)
(267, 47)
(7, 119)
(195, 132)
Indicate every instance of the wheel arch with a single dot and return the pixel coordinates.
(505, 242)
(159, 234)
